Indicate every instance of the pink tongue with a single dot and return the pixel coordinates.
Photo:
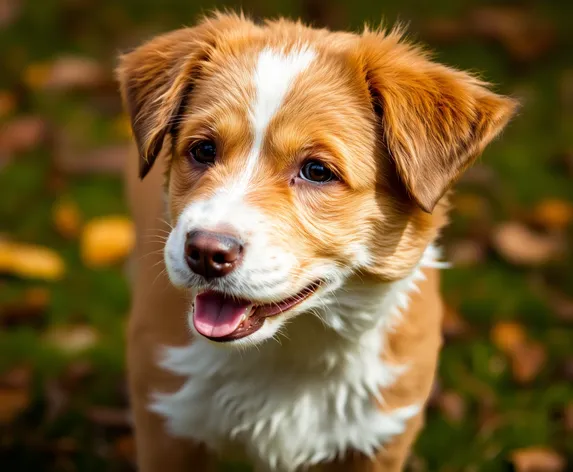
(217, 316)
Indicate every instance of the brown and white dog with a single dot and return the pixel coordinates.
(302, 174)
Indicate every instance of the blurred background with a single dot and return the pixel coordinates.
(504, 397)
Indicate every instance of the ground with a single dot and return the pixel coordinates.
(504, 399)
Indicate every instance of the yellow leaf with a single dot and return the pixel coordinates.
(30, 261)
(67, 219)
(37, 75)
(106, 241)
(553, 214)
(122, 126)
(508, 336)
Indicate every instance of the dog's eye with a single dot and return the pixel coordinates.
(203, 152)
(317, 172)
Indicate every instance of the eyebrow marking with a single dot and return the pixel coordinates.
(274, 73)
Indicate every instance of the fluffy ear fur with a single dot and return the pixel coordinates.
(156, 77)
(435, 120)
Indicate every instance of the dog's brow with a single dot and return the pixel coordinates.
(274, 74)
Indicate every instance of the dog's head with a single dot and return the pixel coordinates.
(300, 159)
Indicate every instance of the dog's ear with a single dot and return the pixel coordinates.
(435, 120)
(156, 77)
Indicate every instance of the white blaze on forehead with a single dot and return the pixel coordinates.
(274, 73)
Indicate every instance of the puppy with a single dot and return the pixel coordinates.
(299, 183)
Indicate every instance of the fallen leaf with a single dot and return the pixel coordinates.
(13, 401)
(72, 338)
(18, 377)
(125, 447)
(508, 336)
(109, 417)
(22, 134)
(527, 361)
(66, 445)
(122, 127)
(568, 417)
(552, 214)
(66, 73)
(26, 310)
(471, 205)
(466, 253)
(76, 374)
(568, 369)
(7, 103)
(521, 246)
(453, 325)
(537, 459)
(444, 30)
(30, 261)
(9, 11)
(106, 241)
(57, 399)
(67, 219)
(452, 405)
(523, 33)
(71, 158)
(562, 305)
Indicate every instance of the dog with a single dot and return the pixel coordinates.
(286, 306)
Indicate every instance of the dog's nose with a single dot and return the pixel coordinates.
(212, 254)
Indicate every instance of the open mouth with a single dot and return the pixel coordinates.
(224, 318)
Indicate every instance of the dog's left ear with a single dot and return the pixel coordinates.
(435, 120)
(155, 78)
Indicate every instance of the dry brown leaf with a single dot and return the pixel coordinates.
(7, 103)
(521, 246)
(76, 374)
(66, 73)
(70, 158)
(67, 219)
(18, 377)
(552, 214)
(537, 459)
(508, 336)
(568, 417)
(106, 241)
(452, 405)
(125, 447)
(525, 35)
(27, 310)
(443, 30)
(9, 11)
(453, 325)
(466, 253)
(13, 401)
(562, 305)
(527, 361)
(22, 134)
(110, 417)
(72, 338)
(30, 261)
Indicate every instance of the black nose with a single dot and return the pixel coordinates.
(212, 254)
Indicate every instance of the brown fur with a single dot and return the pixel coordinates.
(397, 128)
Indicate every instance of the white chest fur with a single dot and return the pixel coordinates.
(291, 404)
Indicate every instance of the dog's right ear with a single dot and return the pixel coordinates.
(156, 77)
